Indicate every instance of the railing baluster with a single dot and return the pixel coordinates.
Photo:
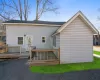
(46, 54)
(43, 56)
(40, 56)
(37, 55)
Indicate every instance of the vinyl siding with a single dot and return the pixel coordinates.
(76, 43)
(14, 31)
(57, 44)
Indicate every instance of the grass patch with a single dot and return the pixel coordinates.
(96, 52)
(67, 67)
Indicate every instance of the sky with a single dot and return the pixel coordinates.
(67, 8)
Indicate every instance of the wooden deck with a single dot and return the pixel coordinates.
(12, 55)
(9, 56)
(44, 57)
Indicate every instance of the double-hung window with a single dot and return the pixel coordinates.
(20, 40)
(43, 39)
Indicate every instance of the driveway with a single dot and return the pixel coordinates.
(18, 70)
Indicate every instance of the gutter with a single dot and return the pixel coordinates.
(30, 24)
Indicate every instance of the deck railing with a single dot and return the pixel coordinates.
(14, 48)
(45, 54)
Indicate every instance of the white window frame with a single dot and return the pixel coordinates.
(17, 40)
(45, 39)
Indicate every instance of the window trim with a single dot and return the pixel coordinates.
(45, 39)
(17, 40)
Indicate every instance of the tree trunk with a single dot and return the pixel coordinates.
(37, 3)
(20, 6)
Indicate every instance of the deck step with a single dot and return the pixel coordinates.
(8, 56)
(38, 63)
(24, 55)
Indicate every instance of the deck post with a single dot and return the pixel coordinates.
(30, 52)
(59, 55)
(20, 49)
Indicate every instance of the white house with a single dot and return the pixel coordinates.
(74, 37)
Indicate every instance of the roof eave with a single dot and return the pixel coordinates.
(30, 24)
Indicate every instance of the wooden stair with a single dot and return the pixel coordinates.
(43, 62)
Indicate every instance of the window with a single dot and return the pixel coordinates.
(20, 40)
(54, 41)
(43, 39)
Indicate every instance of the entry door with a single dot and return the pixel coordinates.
(28, 41)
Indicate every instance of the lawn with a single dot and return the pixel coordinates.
(67, 67)
(96, 52)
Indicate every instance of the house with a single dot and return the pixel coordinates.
(74, 37)
(96, 39)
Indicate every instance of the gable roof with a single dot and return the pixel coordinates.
(82, 16)
(34, 22)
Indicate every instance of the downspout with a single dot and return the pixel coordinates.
(98, 38)
(24, 42)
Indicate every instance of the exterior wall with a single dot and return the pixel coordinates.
(76, 43)
(57, 42)
(14, 31)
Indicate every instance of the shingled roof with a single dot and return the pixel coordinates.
(35, 22)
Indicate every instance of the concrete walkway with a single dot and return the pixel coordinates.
(18, 70)
(97, 56)
(96, 48)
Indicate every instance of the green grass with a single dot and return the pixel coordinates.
(96, 52)
(67, 67)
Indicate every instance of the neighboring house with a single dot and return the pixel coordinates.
(96, 39)
(74, 37)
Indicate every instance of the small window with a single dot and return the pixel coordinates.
(43, 39)
(20, 40)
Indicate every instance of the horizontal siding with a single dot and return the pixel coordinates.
(14, 31)
(76, 42)
(57, 44)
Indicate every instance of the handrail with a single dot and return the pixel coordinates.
(44, 50)
(16, 47)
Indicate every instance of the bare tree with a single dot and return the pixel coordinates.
(10, 9)
(43, 6)
(26, 7)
